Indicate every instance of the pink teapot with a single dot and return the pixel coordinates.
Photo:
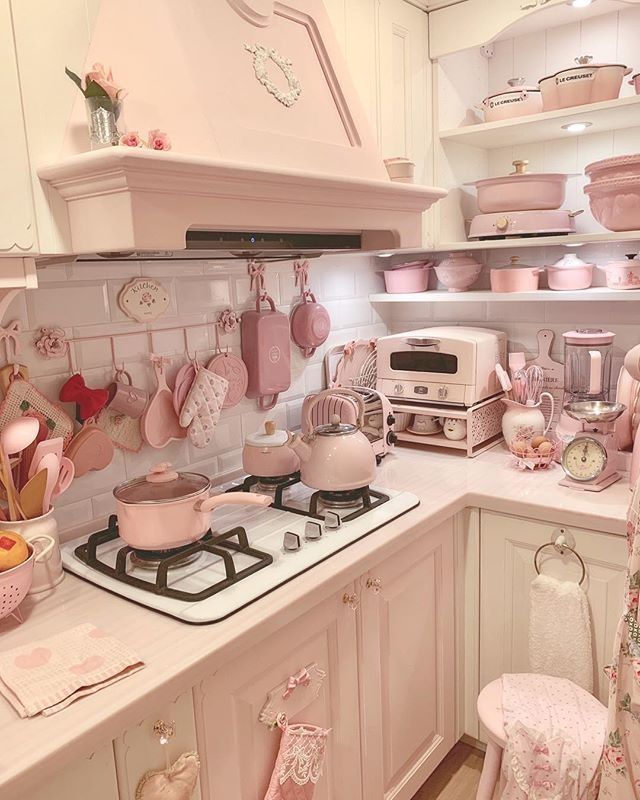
(338, 456)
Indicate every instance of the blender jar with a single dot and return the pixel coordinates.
(587, 365)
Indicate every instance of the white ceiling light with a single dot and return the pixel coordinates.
(385, 255)
(581, 3)
(576, 127)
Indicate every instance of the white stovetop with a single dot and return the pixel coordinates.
(445, 484)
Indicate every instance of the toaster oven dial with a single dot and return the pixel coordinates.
(391, 420)
(398, 388)
(392, 438)
(443, 393)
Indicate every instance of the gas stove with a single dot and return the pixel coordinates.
(252, 552)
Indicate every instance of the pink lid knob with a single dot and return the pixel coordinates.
(162, 473)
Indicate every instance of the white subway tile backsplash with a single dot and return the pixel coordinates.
(202, 294)
(68, 304)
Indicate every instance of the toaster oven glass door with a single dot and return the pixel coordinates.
(415, 361)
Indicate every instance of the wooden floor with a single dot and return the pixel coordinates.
(457, 776)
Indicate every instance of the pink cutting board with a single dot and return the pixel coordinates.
(553, 373)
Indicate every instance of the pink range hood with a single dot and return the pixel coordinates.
(271, 147)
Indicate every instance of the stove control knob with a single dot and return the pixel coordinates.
(502, 223)
(398, 388)
(312, 531)
(332, 521)
(292, 542)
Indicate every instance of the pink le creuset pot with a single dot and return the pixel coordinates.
(516, 101)
(407, 278)
(338, 456)
(310, 324)
(585, 83)
(623, 274)
(521, 190)
(166, 509)
(515, 278)
(266, 455)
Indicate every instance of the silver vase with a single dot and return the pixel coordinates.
(102, 118)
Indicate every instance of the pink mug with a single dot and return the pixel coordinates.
(125, 398)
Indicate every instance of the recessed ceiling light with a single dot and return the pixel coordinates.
(385, 255)
(576, 127)
(581, 3)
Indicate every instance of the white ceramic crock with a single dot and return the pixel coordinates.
(47, 571)
(335, 457)
(516, 101)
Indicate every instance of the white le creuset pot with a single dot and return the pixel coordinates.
(166, 509)
(266, 455)
(338, 456)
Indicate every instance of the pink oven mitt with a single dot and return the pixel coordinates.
(201, 408)
(299, 764)
(177, 782)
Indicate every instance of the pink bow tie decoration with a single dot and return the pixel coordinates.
(89, 401)
(301, 678)
(256, 274)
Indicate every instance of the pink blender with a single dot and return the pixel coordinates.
(586, 428)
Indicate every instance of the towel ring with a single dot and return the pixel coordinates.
(560, 546)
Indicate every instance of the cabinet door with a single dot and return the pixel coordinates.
(138, 750)
(407, 665)
(17, 218)
(240, 750)
(93, 777)
(507, 547)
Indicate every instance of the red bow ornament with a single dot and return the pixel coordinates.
(89, 401)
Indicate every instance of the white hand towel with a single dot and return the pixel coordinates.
(560, 631)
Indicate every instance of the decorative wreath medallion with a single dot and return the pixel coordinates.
(261, 57)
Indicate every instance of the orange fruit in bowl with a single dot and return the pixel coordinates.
(13, 550)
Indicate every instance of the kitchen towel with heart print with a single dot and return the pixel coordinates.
(47, 676)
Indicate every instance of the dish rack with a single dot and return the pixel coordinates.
(484, 425)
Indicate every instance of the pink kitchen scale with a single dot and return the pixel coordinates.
(590, 458)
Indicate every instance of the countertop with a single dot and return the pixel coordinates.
(179, 655)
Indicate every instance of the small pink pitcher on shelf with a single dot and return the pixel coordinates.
(522, 422)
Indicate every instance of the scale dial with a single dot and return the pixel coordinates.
(584, 459)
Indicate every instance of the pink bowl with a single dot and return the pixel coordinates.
(518, 279)
(458, 272)
(14, 585)
(615, 203)
(616, 167)
(407, 279)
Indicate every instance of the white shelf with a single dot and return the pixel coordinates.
(597, 293)
(624, 112)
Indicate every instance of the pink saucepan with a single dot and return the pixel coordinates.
(310, 324)
(165, 509)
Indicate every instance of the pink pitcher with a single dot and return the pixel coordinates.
(523, 422)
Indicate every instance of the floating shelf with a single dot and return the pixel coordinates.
(610, 115)
(597, 293)
(571, 240)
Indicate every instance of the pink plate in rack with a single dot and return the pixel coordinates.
(233, 370)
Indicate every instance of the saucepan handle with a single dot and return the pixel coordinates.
(232, 498)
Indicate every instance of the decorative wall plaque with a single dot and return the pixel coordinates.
(143, 299)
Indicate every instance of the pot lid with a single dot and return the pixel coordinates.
(514, 263)
(585, 61)
(268, 437)
(336, 428)
(628, 160)
(520, 174)
(631, 261)
(161, 485)
(515, 84)
(591, 336)
(570, 261)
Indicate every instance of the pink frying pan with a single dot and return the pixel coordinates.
(159, 422)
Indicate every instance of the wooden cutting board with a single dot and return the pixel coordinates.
(553, 373)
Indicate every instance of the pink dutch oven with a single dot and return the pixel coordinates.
(623, 274)
(521, 191)
(516, 101)
(167, 509)
(582, 84)
(570, 273)
(515, 278)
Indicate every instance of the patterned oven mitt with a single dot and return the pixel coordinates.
(201, 408)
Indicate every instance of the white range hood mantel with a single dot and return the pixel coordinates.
(247, 155)
(121, 198)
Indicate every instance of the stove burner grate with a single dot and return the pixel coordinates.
(223, 545)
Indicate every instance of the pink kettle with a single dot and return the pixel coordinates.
(310, 324)
(338, 456)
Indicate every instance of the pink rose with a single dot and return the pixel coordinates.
(131, 139)
(98, 75)
(158, 140)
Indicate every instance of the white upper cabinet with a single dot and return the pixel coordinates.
(474, 22)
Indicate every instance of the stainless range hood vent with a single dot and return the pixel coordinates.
(250, 241)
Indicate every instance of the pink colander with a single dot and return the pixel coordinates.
(16, 582)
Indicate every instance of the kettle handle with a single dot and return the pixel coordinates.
(328, 393)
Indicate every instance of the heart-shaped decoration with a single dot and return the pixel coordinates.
(178, 782)
(90, 664)
(38, 657)
(91, 448)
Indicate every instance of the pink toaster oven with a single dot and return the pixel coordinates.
(443, 366)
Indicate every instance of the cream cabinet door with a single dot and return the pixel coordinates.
(93, 777)
(240, 750)
(507, 547)
(407, 665)
(17, 217)
(139, 751)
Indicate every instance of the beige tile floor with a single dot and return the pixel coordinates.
(457, 776)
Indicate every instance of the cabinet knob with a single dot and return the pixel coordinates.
(164, 730)
(375, 584)
(351, 600)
